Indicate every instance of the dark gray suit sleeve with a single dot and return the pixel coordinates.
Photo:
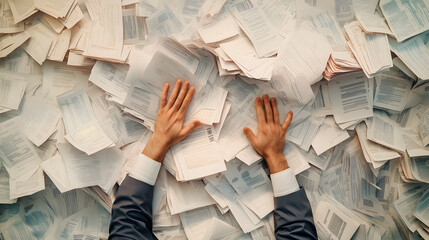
(132, 211)
(293, 218)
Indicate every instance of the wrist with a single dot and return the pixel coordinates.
(155, 149)
(277, 162)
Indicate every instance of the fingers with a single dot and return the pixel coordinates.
(276, 117)
(187, 100)
(174, 93)
(287, 121)
(250, 135)
(259, 111)
(182, 94)
(268, 110)
(163, 100)
(189, 128)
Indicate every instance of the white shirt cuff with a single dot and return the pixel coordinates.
(145, 169)
(284, 183)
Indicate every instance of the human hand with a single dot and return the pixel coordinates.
(270, 141)
(169, 128)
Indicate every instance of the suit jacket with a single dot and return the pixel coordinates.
(293, 218)
(132, 213)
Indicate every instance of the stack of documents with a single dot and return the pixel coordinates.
(341, 62)
(341, 59)
(80, 85)
(371, 49)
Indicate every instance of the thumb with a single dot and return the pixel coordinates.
(287, 121)
(249, 134)
(189, 128)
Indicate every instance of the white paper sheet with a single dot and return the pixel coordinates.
(351, 97)
(82, 129)
(18, 155)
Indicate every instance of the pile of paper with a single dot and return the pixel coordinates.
(79, 92)
(371, 49)
(52, 215)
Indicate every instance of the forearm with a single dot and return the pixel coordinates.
(132, 211)
(155, 149)
(277, 162)
(293, 218)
